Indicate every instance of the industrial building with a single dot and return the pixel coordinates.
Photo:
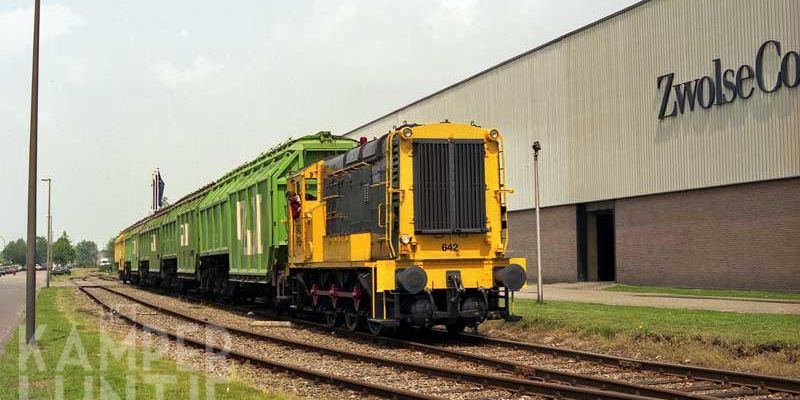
(671, 144)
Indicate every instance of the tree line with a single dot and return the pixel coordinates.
(84, 253)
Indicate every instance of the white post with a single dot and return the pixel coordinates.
(49, 232)
(49, 229)
(539, 289)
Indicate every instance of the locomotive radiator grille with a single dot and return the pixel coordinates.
(449, 186)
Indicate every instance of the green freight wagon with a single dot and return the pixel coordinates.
(242, 221)
(229, 234)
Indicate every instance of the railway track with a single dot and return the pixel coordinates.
(714, 382)
(602, 371)
(444, 382)
(294, 370)
(540, 363)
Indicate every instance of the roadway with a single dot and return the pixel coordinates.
(12, 302)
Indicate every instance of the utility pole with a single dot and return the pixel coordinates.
(49, 229)
(539, 290)
(30, 264)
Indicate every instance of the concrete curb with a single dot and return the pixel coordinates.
(688, 296)
(9, 332)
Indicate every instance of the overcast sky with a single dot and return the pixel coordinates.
(198, 87)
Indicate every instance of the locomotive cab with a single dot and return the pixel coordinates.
(409, 229)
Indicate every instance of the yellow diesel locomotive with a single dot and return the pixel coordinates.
(409, 229)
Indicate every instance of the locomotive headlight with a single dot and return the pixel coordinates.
(405, 239)
(494, 134)
(407, 133)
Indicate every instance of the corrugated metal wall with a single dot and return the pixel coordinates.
(591, 100)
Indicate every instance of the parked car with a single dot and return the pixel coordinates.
(4, 270)
(61, 270)
(41, 267)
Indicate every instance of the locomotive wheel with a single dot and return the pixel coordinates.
(351, 321)
(375, 328)
(331, 319)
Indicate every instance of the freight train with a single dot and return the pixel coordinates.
(409, 229)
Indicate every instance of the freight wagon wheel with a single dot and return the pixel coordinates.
(351, 321)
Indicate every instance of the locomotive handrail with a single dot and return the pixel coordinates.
(347, 168)
(379, 215)
(389, 162)
(503, 192)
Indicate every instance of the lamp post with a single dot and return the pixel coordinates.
(49, 229)
(30, 287)
(539, 290)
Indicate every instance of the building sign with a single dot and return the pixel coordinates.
(728, 85)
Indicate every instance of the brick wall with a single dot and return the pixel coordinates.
(744, 236)
(559, 242)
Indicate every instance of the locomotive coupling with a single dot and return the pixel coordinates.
(511, 277)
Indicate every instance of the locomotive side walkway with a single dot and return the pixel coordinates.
(592, 292)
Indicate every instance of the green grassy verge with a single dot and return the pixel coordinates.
(768, 331)
(75, 359)
(749, 294)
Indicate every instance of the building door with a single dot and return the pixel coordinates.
(606, 263)
(596, 242)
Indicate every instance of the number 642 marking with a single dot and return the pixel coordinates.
(449, 246)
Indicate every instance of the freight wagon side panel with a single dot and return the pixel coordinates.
(132, 251)
(167, 239)
(155, 250)
(142, 247)
(187, 251)
(252, 253)
(249, 250)
(212, 225)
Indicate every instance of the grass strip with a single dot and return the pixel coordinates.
(769, 331)
(76, 360)
(745, 294)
